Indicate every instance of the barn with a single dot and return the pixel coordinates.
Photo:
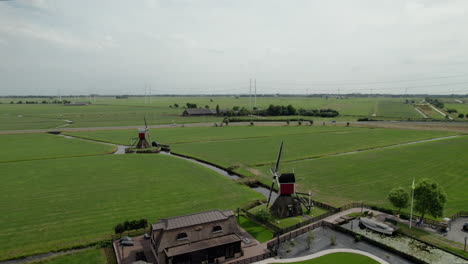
(207, 237)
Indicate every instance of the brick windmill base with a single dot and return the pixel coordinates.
(286, 206)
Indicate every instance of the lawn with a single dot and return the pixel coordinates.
(339, 258)
(369, 176)
(90, 256)
(257, 231)
(53, 204)
(46, 146)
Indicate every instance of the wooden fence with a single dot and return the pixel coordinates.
(268, 225)
(281, 238)
(459, 214)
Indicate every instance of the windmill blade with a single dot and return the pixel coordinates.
(279, 158)
(271, 190)
(146, 126)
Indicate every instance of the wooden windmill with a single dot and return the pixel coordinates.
(288, 203)
(143, 137)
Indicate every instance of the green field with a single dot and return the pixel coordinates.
(369, 176)
(52, 204)
(339, 258)
(333, 179)
(90, 256)
(206, 134)
(108, 111)
(46, 146)
(249, 153)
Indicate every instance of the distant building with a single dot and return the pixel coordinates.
(208, 237)
(198, 112)
(76, 104)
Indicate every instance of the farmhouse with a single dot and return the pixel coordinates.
(198, 112)
(207, 237)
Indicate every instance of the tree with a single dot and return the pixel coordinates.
(176, 105)
(217, 109)
(399, 198)
(461, 115)
(207, 106)
(429, 197)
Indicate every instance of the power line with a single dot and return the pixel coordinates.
(373, 82)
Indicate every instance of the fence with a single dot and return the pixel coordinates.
(459, 214)
(253, 259)
(281, 238)
(268, 225)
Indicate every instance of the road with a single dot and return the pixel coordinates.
(461, 127)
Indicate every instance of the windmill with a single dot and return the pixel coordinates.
(143, 137)
(288, 203)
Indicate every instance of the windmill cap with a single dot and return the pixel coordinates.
(287, 178)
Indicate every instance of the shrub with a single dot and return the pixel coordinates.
(119, 228)
(357, 238)
(263, 215)
(461, 115)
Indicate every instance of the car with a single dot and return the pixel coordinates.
(127, 243)
(125, 238)
(465, 226)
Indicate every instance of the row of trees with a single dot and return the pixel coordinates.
(429, 198)
(55, 101)
(435, 102)
(278, 110)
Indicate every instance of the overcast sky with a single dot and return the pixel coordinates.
(216, 46)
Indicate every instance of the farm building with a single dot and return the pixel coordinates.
(211, 237)
(198, 112)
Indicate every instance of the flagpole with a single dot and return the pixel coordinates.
(411, 211)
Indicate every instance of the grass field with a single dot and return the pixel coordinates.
(334, 179)
(108, 111)
(90, 256)
(339, 258)
(260, 151)
(461, 108)
(52, 204)
(369, 176)
(46, 146)
(199, 134)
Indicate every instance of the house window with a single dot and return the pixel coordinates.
(182, 236)
(217, 229)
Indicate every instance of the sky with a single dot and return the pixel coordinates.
(68, 47)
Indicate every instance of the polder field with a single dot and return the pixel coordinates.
(59, 192)
(321, 158)
(108, 111)
(55, 203)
